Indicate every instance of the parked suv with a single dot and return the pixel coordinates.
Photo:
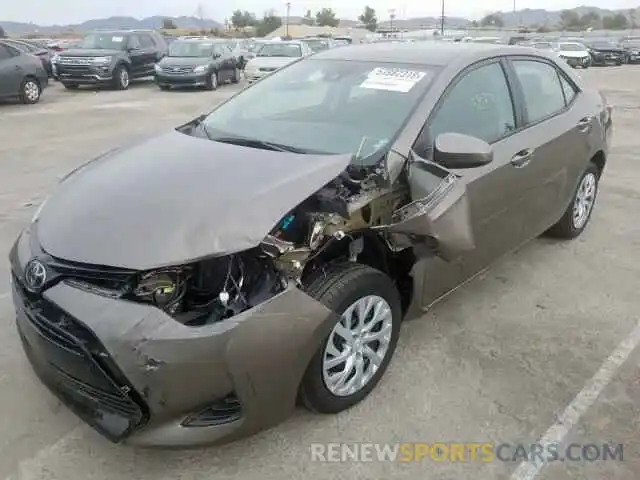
(21, 74)
(110, 58)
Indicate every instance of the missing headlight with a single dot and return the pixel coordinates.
(211, 290)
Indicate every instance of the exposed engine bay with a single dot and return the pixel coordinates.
(219, 288)
(330, 225)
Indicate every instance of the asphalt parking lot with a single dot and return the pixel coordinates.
(543, 344)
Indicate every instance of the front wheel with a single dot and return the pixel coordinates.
(354, 356)
(578, 214)
(212, 81)
(121, 78)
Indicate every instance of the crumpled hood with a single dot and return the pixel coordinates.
(271, 62)
(175, 199)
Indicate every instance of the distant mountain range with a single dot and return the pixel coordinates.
(526, 17)
(19, 28)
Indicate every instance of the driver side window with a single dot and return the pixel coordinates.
(479, 105)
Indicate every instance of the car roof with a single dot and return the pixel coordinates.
(424, 53)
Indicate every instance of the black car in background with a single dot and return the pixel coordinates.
(631, 46)
(21, 74)
(606, 52)
(28, 47)
(110, 58)
(197, 63)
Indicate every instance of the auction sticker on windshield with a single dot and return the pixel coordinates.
(393, 79)
(117, 39)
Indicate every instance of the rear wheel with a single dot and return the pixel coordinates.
(30, 91)
(578, 214)
(354, 356)
(164, 87)
(70, 86)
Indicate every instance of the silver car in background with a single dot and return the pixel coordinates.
(273, 56)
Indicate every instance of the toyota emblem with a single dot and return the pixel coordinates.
(35, 275)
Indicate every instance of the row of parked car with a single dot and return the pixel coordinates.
(114, 58)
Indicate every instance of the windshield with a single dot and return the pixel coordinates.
(571, 47)
(278, 49)
(104, 41)
(317, 45)
(327, 106)
(603, 44)
(631, 43)
(181, 48)
(543, 45)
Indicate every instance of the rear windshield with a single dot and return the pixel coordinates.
(181, 48)
(571, 47)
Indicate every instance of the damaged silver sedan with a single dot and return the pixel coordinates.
(194, 287)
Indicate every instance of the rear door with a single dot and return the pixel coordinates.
(11, 73)
(149, 53)
(475, 214)
(557, 128)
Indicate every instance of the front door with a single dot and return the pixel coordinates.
(11, 72)
(478, 103)
(137, 56)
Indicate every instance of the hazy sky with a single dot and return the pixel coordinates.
(47, 12)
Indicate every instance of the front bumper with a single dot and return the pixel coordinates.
(135, 374)
(253, 76)
(84, 74)
(607, 58)
(181, 80)
(577, 61)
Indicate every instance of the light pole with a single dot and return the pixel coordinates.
(392, 16)
(286, 20)
(442, 20)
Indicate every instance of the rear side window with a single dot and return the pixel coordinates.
(543, 92)
(569, 90)
(6, 52)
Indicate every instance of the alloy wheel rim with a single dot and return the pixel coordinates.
(585, 198)
(357, 345)
(31, 91)
(124, 78)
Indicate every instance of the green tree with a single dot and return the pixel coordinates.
(570, 20)
(492, 20)
(270, 22)
(369, 19)
(615, 22)
(308, 18)
(591, 19)
(326, 18)
(168, 24)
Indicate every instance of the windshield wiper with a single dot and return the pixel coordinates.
(256, 143)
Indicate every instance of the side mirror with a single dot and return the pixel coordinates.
(455, 150)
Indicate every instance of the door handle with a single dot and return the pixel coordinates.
(522, 158)
(584, 125)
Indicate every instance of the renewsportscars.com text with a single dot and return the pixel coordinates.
(465, 452)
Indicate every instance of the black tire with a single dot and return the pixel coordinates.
(213, 81)
(164, 87)
(236, 76)
(566, 227)
(338, 289)
(121, 78)
(70, 86)
(30, 91)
